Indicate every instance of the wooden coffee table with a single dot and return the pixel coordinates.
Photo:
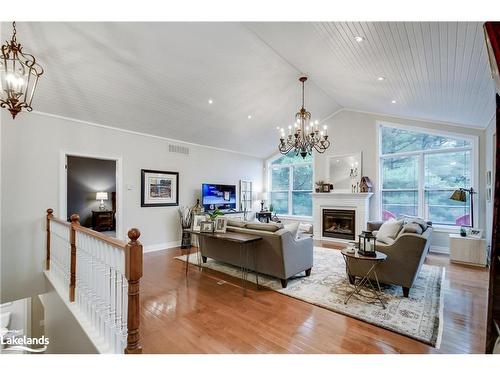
(245, 243)
(365, 281)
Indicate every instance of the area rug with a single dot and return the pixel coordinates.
(420, 316)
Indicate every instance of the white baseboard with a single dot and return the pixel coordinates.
(161, 246)
(440, 249)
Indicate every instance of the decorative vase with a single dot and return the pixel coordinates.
(186, 239)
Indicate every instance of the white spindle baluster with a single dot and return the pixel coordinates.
(101, 288)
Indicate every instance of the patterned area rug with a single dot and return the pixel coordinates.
(420, 316)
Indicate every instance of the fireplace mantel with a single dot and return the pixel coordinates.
(342, 195)
(359, 202)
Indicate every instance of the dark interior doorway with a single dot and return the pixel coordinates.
(85, 178)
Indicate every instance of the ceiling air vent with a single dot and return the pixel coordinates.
(178, 149)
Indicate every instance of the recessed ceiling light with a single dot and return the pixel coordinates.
(393, 102)
(359, 39)
(210, 101)
(249, 117)
(380, 78)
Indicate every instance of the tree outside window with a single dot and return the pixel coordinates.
(420, 172)
(290, 185)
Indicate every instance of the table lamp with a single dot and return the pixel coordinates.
(460, 195)
(261, 196)
(101, 196)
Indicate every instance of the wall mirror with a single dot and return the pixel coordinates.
(344, 171)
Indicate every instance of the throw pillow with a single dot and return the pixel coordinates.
(389, 230)
(293, 228)
(414, 219)
(305, 228)
(236, 223)
(268, 227)
(412, 228)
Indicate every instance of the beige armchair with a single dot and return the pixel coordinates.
(404, 258)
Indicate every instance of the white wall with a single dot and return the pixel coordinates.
(352, 131)
(31, 147)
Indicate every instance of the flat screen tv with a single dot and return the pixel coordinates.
(218, 196)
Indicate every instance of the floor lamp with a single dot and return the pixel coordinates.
(461, 196)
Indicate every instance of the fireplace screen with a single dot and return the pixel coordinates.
(339, 224)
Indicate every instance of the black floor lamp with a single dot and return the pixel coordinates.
(461, 196)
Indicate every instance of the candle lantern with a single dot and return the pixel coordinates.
(367, 244)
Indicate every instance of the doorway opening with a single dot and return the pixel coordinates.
(91, 188)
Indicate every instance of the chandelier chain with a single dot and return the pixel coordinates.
(14, 31)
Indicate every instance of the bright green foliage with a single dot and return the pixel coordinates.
(291, 177)
(442, 173)
(395, 140)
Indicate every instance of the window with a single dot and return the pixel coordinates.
(290, 185)
(420, 171)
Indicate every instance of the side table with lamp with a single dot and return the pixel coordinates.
(262, 216)
(468, 247)
(366, 251)
(102, 219)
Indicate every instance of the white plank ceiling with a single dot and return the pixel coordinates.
(157, 78)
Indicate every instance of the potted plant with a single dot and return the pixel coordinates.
(214, 214)
(319, 186)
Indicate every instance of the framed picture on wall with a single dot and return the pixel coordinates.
(159, 188)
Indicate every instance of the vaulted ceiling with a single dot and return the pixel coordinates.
(157, 78)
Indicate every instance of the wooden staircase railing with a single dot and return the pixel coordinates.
(101, 276)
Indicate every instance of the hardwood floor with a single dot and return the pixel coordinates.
(206, 312)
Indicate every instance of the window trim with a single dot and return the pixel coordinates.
(269, 168)
(474, 163)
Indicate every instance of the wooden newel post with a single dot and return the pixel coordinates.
(47, 227)
(133, 273)
(72, 238)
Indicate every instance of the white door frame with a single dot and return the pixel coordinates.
(63, 186)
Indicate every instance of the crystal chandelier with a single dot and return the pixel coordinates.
(19, 73)
(304, 136)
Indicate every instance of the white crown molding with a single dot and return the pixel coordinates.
(88, 123)
(332, 115)
(414, 119)
(491, 120)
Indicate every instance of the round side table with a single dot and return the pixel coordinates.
(365, 282)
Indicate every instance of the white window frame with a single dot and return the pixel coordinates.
(474, 165)
(269, 168)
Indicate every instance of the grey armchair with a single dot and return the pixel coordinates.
(405, 256)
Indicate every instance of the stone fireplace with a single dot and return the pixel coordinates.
(340, 216)
(339, 224)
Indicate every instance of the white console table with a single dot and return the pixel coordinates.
(468, 250)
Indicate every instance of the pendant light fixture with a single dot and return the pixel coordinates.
(19, 74)
(304, 136)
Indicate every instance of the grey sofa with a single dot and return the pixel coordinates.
(278, 254)
(405, 257)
